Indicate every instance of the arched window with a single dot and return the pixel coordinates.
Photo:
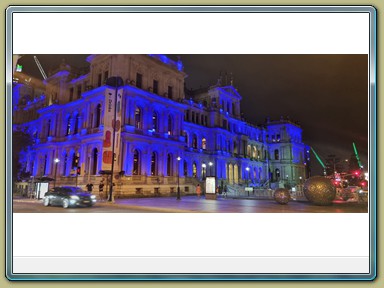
(194, 142)
(254, 152)
(276, 154)
(98, 115)
(235, 149)
(154, 164)
(68, 130)
(194, 170)
(185, 168)
(204, 144)
(136, 163)
(249, 151)
(170, 125)
(169, 165)
(138, 124)
(154, 121)
(95, 154)
(277, 174)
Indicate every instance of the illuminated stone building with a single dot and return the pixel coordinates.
(160, 122)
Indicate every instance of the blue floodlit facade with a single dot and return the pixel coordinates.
(161, 122)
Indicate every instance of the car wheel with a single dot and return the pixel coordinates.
(46, 201)
(65, 203)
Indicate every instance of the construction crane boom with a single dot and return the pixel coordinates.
(40, 67)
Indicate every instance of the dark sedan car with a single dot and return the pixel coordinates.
(68, 196)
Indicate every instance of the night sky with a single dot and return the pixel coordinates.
(327, 94)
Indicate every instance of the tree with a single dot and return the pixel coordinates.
(333, 164)
(21, 141)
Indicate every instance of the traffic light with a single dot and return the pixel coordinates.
(78, 170)
(75, 161)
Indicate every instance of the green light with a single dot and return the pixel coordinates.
(19, 68)
(357, 155)
(318, 158)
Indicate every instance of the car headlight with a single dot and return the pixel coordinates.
(93, 197)
(75, 197)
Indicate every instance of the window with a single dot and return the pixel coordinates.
(249, 151)
(105, 76)
(204, 144)
(138, 118)
(154, 164)
(170, 125)
(68, 131)
(278, 137)
(225, 123)
(202, 120)
(139, 80)
(170, 92)
(254, 152)
(185, 134)
(78, 93)
(228, 107)
(71, 94)
(76, 129)
(98, 115)
(154, 122)
(99, 80)
(155, 86)
(277, 174)
(136, 163)
(95, 155)
(193, 117)
(276, 154)
(169, 165)
(194, 170)
(185, 168)
(49, 128)
(194, 142)
(233, 108)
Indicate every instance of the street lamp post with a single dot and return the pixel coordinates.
(178, 178)
(210, 169)
(247, 175)
(116, 82)
(57, 160)
(204, 166)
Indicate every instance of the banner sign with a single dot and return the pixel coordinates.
(109, 122)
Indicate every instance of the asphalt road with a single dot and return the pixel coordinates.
(192, 204)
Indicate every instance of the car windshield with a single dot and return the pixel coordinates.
(69, 190)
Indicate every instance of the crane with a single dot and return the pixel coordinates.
(40, 67)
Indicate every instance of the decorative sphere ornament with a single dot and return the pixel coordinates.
(319, 190)
(281, 196)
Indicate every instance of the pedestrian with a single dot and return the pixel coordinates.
(89, 187)
(101, 190)
(225, 190)
(198, 190)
